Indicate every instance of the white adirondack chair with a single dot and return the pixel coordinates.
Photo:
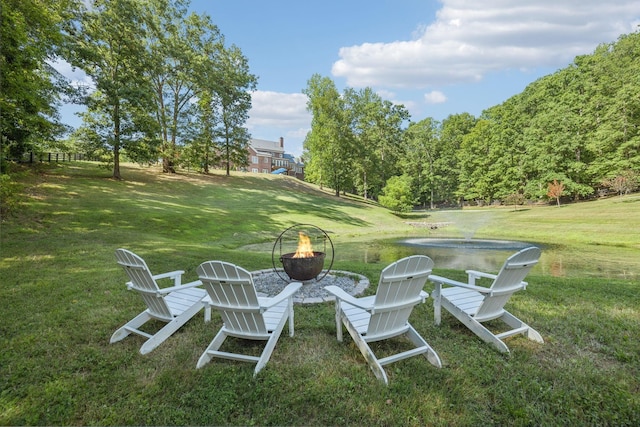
(174, 305)
(473, 304)
(386, 314)
(244, 314)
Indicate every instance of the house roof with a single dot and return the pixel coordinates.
(264, 153)
(264, 145)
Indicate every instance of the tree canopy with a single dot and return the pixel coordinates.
(578, 127)
(165, 85)
(156, 71)
(33, 35)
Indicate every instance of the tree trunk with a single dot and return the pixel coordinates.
(116, 141)
(365, 186)
(167, 164)
(227, 155)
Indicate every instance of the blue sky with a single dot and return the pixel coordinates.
(435, 57)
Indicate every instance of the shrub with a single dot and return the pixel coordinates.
(9, 191)
(624, 183)
(397, 194)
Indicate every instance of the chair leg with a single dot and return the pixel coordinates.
(486, 335)
(437, 302)
(418, 341)
(271, 344)
(290, 305)
(477, 328)
(130, 327)
(168, 330)
(534, 335)
(527, 330)
(338, 320)
(215, 344)
(366, 351)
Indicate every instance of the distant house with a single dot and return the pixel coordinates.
(269, 156)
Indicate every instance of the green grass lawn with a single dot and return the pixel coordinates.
(63, 296)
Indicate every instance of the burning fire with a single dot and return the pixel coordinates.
(305, 250)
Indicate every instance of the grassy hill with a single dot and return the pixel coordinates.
(63, 296)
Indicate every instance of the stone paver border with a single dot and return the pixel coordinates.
(358, 289)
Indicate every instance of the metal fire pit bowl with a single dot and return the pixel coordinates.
(302, 269)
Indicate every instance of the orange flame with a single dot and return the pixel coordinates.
(305, 250)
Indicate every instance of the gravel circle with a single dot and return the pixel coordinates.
(269, 283)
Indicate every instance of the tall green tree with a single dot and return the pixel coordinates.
(615, 105)
(176, 44)
(112, 51)
(202, 151)
(477, 157)
(33, 35)
(452, 131)
(355, 140)
(329, 144)
(202, 140)
(419, 160)
(233, 98)
(508, 168)
(389, 129)
(560, 128)
(361, 111)
(376, 127)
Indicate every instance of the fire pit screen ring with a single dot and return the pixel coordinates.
(299, 260)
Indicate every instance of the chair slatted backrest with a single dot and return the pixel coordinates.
(399, 290)
(233, 293)
(142, 281)
(508, 281)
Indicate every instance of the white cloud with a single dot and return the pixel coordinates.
(276, 114)
(393, 97)
(386, 94)
(435, 97)
(280, 110)
(76, 76)
(470, 39)
(299, 133)
(269, 109)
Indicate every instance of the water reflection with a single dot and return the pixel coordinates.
(463, 254)
(467, 243)
(556, 260)
(446, 257)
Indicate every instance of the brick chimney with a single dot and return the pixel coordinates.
(281, 142)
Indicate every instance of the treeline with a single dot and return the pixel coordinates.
(576, 130)
(163, 84)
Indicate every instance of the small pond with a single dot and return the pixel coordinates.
(489, 255)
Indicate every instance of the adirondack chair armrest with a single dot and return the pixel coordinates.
(438, 280)
(423, 296)
(344, 296)
(286, 293)
(415, 275)
(194, 284)
(175, 275)
(474, 274)
(420, 299)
